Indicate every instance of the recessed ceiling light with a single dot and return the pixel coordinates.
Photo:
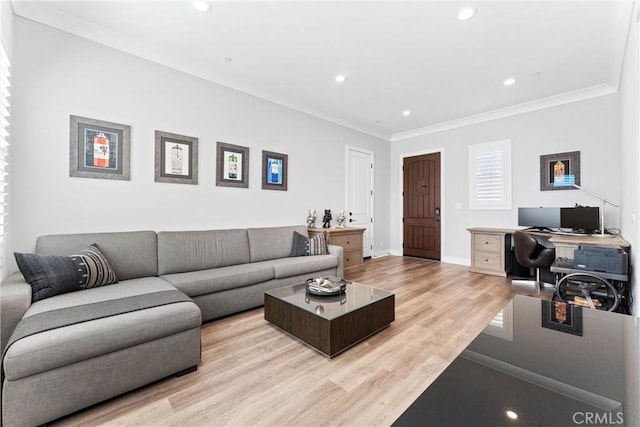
(509, 82)
(467, 13)
(340, 78)
(512, 415)
(406, 113)
(202, 5)
(228, 59)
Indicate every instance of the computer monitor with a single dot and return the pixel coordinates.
(585, 219)
(541, 218)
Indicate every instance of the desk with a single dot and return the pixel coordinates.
(565, 245)
(491, 247)
(491, 250)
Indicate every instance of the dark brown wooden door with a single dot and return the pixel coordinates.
(421, 194)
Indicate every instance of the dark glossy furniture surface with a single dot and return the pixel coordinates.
(586, 373)
(330, 324)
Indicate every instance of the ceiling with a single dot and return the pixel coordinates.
(396, 55)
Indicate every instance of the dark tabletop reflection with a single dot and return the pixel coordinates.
(547, 364)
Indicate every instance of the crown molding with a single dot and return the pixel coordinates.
(525, 107)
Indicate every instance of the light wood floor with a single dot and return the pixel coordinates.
(253, 374)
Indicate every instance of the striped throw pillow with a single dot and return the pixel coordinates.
(318, 244)
(51, 275)
(97, 271)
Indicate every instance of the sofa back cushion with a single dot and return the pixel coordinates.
(182, 251)
(131, 254)
(272, 242)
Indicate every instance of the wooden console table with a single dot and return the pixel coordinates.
(351, 240)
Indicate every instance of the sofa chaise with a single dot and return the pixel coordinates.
(69, 351)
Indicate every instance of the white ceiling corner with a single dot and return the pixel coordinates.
(397, 55)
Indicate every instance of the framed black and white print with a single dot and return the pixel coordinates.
(560, 171)
(232, 165)
(274, 171)
(176, 158)
(99, 149)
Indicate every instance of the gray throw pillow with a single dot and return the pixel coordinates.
(51, 275)
(318, 244)
(300, 246)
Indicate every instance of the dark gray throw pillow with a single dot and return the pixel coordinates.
(51, 275)
(300, 246)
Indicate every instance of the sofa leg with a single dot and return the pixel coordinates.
(187, 371)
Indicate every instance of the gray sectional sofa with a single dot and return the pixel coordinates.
(58, 359)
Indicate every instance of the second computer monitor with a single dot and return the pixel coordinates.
(585, 219)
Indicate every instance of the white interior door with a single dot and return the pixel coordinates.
(360, 194)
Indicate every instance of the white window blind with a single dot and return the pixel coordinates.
(490, 175)
(5, 96)
(501, 325)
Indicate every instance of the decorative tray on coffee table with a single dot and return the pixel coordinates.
(326, 285)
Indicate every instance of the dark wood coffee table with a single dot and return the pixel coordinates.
(330, 324)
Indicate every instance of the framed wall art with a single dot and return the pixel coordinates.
(232, 165)
(561, 316)
(176, 158)
(560, 171)
(99, 149)
(274, 171)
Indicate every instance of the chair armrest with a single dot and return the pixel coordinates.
(15, 299)
(339, 252)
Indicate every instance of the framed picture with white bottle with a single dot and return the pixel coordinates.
(274, 171)
(98, 149)
(176, 158)
(232, 165)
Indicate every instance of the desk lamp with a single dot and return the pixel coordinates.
(569, 181)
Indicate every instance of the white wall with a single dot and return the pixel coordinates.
(591, 127)
(6, 26)
(630, 188)
(630, 158)
(58, 74)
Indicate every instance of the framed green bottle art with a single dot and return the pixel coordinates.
(232, 165)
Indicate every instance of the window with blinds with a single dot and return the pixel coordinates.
(5, 96)
(490, 175)
(501, 325)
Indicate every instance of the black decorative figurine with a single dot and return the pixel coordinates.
(326, 219)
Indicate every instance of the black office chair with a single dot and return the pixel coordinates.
(531, 254)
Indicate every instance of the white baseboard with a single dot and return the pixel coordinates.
(380, 254)
(456, 260)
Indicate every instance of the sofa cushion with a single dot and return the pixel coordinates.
(287, 267)
(272, 242)
(70, 344)
(131, 254)
(195, 283)
(51, 275)
(186, 251)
